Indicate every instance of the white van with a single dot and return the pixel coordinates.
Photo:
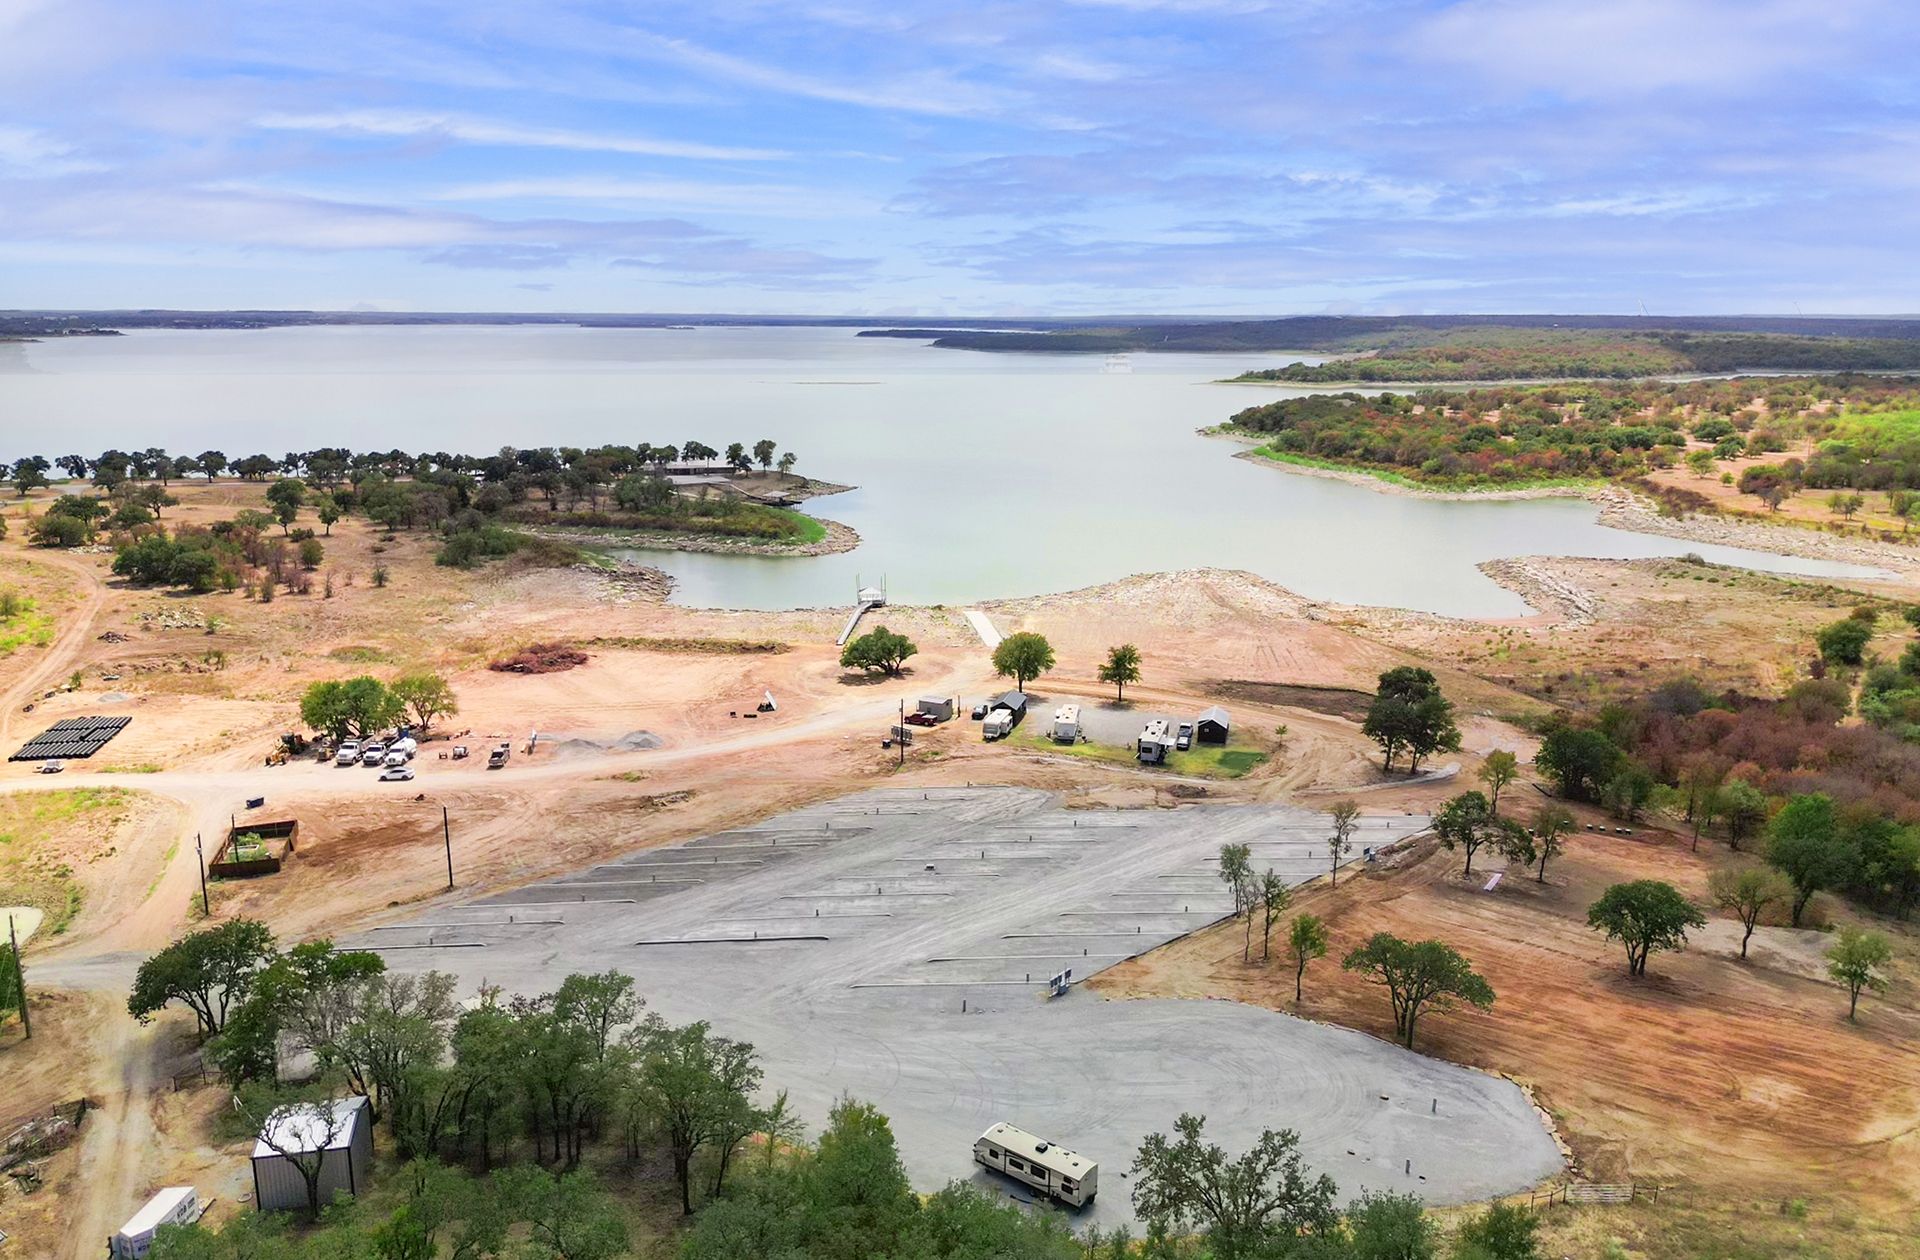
(1052, 1170)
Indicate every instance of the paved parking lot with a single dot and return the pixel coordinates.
(896, 945)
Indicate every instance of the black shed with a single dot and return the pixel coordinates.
(1211, 727)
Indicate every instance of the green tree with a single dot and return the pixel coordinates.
(1499, 769)
(569, 1215)
(1803, 843)
(1122, 667)
(328, 511)
(763, 453)
(1747, 893)
(209, 972)
(1344, 816)
(312, 552)
(1504, 1231)
(1744, 810)
(1644, 915)
(1306, 941)
(856, 1202)
(1275, 897)
(1021, 657)
(1550, 824)
(1409, 712)
(1579, 761)
(1388, 1226)
(691, 1081)
(61, 530)
(1465, 823)
(1418, 976)
(1236, 872)
(878, 651)
(1247, 1207)
(356, 706)
(285, 497)
(1857, 960)
(426, 696)
(1844, 642)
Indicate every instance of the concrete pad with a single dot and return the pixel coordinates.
(925, 992)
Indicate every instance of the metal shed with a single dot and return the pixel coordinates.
(339, 1137)
(1212, 725)
(939, 708)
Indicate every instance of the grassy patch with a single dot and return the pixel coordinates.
(1208, 761)
(22, 623)
(360, 654)
(41, 836)
(712, 647)
(1216, 762)
(134, 767)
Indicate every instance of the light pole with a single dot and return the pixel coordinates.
(200, 855)
(446, 832)
(19, 980)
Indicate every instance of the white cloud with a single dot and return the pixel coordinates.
(466, 130)
(781, 200)
(25, 152)
(1586, 50)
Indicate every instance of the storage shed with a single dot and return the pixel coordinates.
(939, 708)
(1014, 702)
(1211, 727)
(339, 1138)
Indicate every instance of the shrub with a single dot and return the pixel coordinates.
(540, 658)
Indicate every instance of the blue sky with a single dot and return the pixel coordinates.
(923, 157)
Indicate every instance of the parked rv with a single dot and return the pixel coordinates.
(1066, 724)
(997, 725)
(1052, 1170)
(1155, 743)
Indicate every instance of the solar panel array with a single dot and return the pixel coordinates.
(74, 737)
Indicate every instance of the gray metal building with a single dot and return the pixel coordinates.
(340, 1136)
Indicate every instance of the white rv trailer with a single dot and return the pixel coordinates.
(1053, 1170)
(1155, 742)
(1066, 724)
(997, 725)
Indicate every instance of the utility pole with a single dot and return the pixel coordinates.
(446, 832)
(19, 979)
(200, 854)
(902, 728)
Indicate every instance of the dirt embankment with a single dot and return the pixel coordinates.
(1710, 1071)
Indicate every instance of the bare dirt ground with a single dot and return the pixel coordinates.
(1709, 1072)
(211, 681)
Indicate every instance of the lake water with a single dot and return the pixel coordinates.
(979, 475)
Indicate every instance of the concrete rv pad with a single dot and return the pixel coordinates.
(844, 939)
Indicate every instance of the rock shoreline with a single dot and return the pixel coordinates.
(839, 538)
(1621, 508)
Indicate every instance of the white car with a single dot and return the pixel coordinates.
(396, 774)
(348, 754)
(52, 767)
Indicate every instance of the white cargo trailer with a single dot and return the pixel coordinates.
(176, 1205)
